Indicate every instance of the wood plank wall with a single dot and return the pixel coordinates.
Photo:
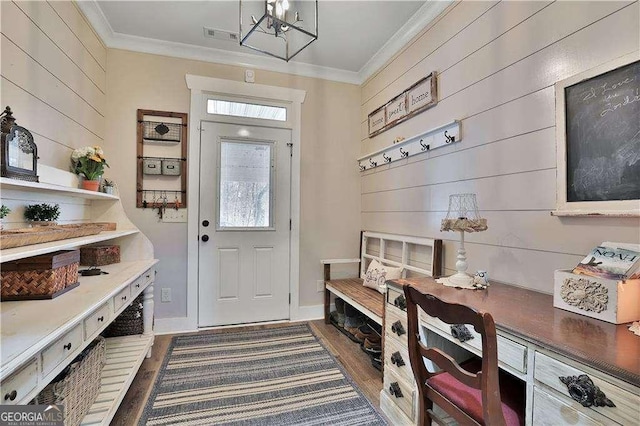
(497, 64)
(53, 76)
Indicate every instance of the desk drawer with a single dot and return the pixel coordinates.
(509, 352)
(551, 411)
(548, 371)
(396, 359)
(400, 393)
(62, 349)
(148, 276)
(121, 299)
(395, 297)
(395, 324)
(15, 387)
(137, 286)
(97, 319)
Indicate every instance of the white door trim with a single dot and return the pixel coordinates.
(199, 85)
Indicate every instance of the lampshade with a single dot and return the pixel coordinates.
(279, 28)
(463, 215)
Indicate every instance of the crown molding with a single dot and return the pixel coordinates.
(419, 21)
(429, 11)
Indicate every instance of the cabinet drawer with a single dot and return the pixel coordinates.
(509, 352)
(400, 393)
(137, 286)
(548, 371)
(395, 297)
(61, 349)
(550, 411)
(396, 324)
(121, 299)
(396, 359)
(148, 276)
(15, 387)
(96, 320)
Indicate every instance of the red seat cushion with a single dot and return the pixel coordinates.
(469, 399)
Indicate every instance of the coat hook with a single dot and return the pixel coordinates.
(424, 146)
(404, 153)
(363, 167)
(449, 137)
(386, 157)
(373, 163)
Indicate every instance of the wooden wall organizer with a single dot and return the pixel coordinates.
(153, 130)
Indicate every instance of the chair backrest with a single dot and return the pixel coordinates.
(485, 380)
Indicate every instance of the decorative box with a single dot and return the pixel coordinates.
(152, 166)
(171, 167)
(40, 277)
(608, 300)
(99, 255)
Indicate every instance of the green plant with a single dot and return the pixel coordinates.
(42, 212)
(4, 211)
(88, 161)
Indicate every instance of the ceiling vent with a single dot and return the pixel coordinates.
(220, 34)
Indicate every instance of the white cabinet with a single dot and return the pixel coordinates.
(39, 338)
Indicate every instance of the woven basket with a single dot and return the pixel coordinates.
(100, 255)
(129, 322)
(44, 234)
(78, 386)
(40, 277)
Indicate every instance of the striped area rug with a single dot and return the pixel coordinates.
(276, 376)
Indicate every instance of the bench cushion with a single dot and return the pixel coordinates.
(365, 299)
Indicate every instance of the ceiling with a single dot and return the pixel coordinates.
(351, 34)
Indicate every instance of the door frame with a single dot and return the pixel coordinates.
(200, 87)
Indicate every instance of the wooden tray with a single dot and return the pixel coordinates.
(44, 234)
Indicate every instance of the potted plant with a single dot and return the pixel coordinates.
(42, 214)
(107, 186)
(89, 161)
(4, 211)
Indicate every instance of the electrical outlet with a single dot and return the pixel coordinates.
(165, 296)
(320, 286)
(174, 216)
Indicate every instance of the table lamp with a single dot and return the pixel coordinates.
(463, 216)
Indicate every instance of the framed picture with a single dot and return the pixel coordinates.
(598, 141)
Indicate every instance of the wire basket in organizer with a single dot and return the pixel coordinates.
(161, 132)
(78, 385)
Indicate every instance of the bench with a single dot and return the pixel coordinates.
(415, 255)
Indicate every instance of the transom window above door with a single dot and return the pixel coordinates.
(246, 110)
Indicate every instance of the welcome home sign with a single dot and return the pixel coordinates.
(417, 98)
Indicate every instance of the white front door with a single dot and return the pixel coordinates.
(244, 225)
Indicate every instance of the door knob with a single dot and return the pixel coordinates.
(205, 238)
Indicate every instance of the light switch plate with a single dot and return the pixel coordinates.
(174, 216)
(320, 286)
(165, 295)
(249, 76)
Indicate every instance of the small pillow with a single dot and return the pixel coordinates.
(377, 274)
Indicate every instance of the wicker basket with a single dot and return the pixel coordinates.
(129, 322)
(44, 234)
(100, 255)
(78, 386)
(40, 277)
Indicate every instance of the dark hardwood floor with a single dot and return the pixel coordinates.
(355, 362)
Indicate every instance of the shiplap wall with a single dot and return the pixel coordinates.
(497, 64)
(53, 76)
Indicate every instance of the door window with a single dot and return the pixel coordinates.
(245, 192)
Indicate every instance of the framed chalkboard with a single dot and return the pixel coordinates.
(598, 140)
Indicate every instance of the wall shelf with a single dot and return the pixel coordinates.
(19, 185)
(38, 249)
(423, 142)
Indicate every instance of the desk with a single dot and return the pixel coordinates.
(537, 343)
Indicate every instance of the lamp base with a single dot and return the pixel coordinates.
(459, 280)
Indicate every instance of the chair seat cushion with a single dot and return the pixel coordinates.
(469, 399)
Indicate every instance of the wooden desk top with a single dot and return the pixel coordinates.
(531, 316)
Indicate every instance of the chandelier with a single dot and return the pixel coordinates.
(278, 28)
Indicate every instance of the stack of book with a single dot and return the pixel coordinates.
(604, 285)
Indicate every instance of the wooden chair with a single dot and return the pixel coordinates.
(470, 393)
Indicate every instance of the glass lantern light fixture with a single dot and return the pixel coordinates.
(278, 28)
(19, 153)
(462, 216)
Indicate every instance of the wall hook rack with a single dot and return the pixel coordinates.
(423, 142)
